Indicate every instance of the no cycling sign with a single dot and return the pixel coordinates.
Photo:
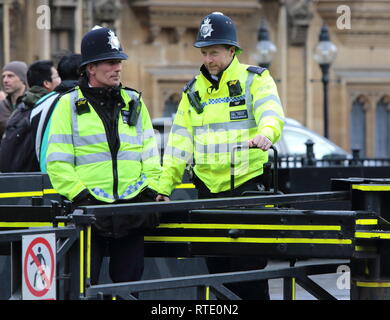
(39, 267)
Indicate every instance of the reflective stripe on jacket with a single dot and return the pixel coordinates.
(207, 138)
(79, 155)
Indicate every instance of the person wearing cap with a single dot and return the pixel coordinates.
(14, 81)
(102, 150)
(228, 103)
(17, 144)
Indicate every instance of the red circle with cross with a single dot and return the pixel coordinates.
(48, 282)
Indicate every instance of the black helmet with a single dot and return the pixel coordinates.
(101, 44)
(216, 28)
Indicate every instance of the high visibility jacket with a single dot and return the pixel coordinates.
(80, 157)
(245, 104)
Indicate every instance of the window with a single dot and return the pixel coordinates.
(382, 129)
(171, 104)
(358, 126)
(62, 30)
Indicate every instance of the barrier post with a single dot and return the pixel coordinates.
(370, 272)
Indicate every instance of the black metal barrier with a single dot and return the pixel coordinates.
(70, 250)
(207, 284)
(234, 226)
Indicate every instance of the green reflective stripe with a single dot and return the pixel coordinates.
(80, 141)
(271, 113)
(129, 155)
(61, 138)
(152, 152)
(270, 97)
(181, 131)
(177, 153)
(215, 148)
(149, 133)
(135, 140)
(226, 126)
(106, 156)
(248, 96)
(93, 158)
(61, 156)
(90, 139)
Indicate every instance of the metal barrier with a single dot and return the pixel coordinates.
(234, 226)
(207, 284)
(70, 250)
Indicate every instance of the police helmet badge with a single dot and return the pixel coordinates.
(113, 40)
(206, 28)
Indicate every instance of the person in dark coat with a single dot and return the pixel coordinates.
(14, 81)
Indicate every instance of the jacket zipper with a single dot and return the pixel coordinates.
(114, 153)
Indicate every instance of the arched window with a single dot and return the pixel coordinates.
(171, 104)
(382, 129)
(358, 126)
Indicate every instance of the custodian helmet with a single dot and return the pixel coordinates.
(101, 44)
(216, 28)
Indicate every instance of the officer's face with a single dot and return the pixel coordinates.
(217, 57)
(106, 73)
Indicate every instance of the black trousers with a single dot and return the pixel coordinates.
(126, 247)
(126, 257)
(249, 290)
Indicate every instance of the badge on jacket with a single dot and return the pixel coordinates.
(126, 116)
(234, 88)
(82, 106)
(239, 114)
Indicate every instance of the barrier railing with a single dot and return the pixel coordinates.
(360, 235)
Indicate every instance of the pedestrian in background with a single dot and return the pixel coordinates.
(14, 82)
(69, 71)
(17, 152)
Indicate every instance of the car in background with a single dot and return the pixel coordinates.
(292, 143)
(294, 139)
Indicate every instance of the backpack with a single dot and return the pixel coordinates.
(17, 150)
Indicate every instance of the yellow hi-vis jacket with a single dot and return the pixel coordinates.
(229, 117)
(79, 155)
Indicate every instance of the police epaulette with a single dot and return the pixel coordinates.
(127, 88)
(70, 90)
(255, 69)
(189, 84)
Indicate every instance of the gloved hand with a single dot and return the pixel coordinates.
(84, 198)
(161, 197)
(146, 221)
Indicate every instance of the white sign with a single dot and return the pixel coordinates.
(39, 267)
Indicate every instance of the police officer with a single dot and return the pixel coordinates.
(102, 149)
(226, 104)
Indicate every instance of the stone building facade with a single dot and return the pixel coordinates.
(158, 36)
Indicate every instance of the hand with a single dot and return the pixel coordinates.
(260, 142)
(161, 197)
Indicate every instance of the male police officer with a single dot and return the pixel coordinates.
(102, 149)
(228, 103)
